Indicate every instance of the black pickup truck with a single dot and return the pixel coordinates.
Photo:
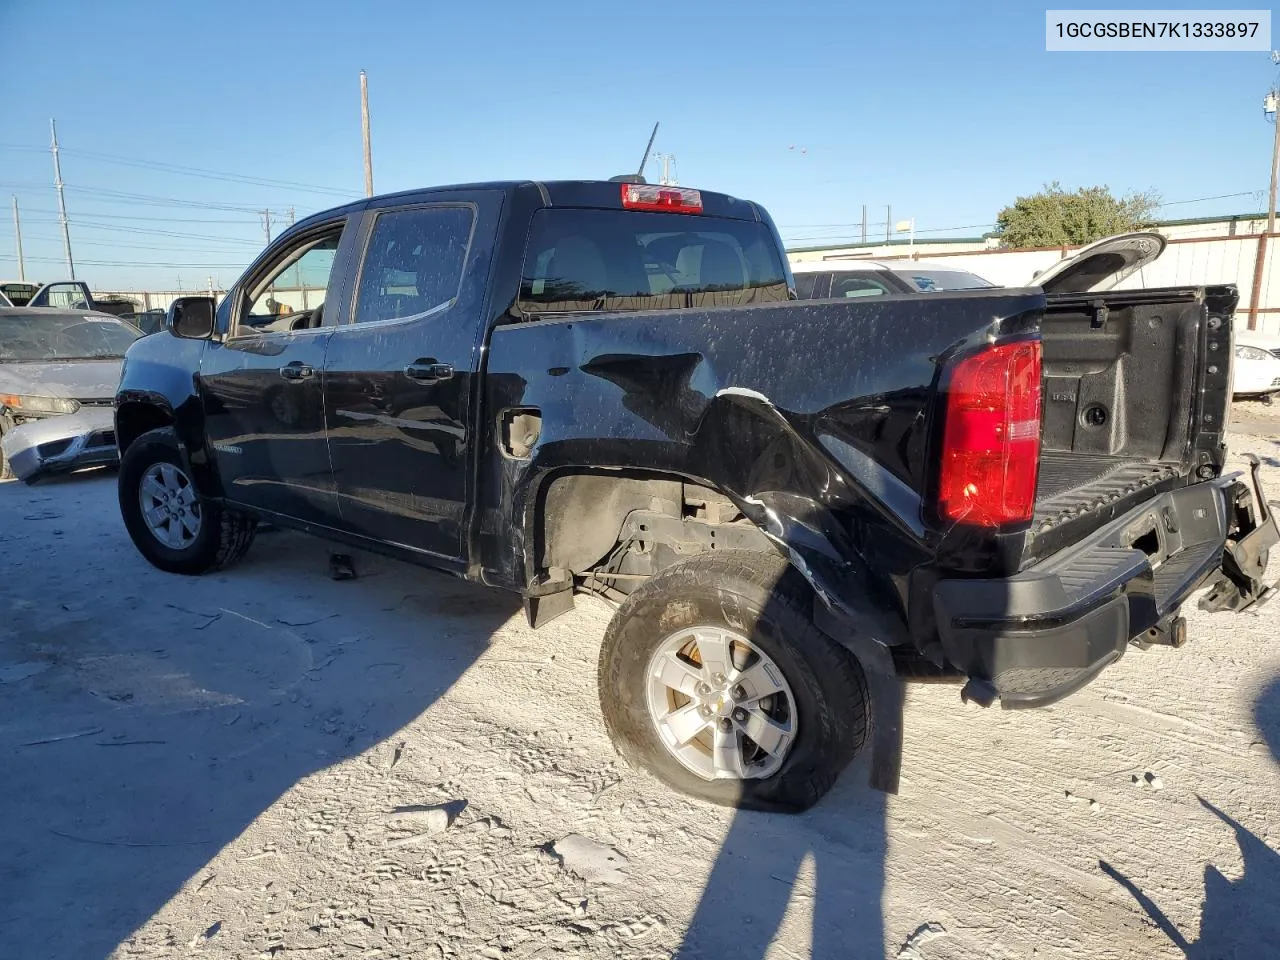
(608, 386)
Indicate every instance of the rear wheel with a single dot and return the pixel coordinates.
(167, 520)
(714, 678)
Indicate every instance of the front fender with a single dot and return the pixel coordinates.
(159, 386)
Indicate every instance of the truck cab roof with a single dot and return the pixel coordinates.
(595, 194)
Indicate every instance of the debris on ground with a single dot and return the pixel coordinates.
(1150, 780)
(342, 566)
(59, 737)
(424, 820)
(589, 859)
(207, 935)
(1093, 805)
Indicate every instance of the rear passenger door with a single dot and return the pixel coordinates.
(399, 374)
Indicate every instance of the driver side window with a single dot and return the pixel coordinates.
(291, 294)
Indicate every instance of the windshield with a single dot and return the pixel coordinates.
(33, 337)
(932, 281)
(18, 293)
(587, 260)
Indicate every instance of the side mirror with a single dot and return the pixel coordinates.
(191, 318)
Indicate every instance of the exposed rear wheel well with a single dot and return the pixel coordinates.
(612, 531)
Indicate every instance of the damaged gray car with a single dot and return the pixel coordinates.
(59, 370)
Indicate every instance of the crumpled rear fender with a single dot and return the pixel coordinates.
(813, 416)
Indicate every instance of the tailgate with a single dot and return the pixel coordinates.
(1136, 394)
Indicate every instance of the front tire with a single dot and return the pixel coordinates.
(167, 520)
(714, 678)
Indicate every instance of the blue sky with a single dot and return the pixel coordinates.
(947, 111)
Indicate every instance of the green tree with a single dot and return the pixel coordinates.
(1055, 217)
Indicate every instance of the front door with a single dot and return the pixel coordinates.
(398, 376)
(264, 412)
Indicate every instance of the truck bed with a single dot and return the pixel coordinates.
(1072, 484)
(1134, 401)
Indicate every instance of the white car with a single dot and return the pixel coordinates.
(1256, 370)
(824, 279)
(1097, 266)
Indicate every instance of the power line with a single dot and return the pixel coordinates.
(116, 244)
(199, 172)
(162, 201)
(125, 216)
(115, 228)
(135, 263)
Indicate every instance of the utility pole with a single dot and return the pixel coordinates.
(17, 235)
(364, 126)
(297, 269)
(667, 179)
(888, 224)
(1271, 109)
(864, 223)
(1272, 99)
(62, 203)
(266, 225)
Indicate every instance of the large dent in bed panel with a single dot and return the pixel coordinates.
(740, 399)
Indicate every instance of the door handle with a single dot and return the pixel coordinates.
(297, 371)
(426, 372)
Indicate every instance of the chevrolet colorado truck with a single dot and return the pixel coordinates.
(609, 387)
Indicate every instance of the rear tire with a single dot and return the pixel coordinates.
(815, 716)
(169, 523)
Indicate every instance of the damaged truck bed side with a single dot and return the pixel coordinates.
(606, 387)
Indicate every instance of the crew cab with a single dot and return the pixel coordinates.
(608, 387)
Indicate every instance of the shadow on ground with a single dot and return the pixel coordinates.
(1239, 918)
(147, 719)
(761, 869)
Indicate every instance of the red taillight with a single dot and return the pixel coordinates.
(991, 440)
(649, 196)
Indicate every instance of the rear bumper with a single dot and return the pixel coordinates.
(53, 445)
(1040, 635)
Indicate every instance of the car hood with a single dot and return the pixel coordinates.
(1101, 265)
(70, 379)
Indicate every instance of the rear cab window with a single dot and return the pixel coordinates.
(584, 260)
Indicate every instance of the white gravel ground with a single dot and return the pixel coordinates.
(236, 766)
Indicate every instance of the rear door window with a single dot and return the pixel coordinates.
(414, 262)
(599, 260)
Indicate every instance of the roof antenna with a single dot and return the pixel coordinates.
(638, 176)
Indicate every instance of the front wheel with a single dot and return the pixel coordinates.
(167, 520)
(714, 678)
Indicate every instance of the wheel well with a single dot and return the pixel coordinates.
(621, 528)
(135, 419)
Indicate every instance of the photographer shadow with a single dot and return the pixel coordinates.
(1239, 918)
